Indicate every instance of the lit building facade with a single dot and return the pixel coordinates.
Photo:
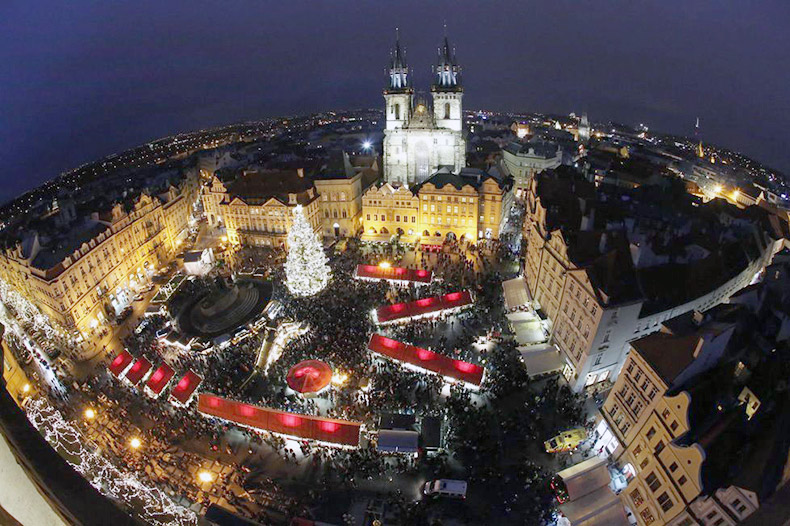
(587, 289)
(340, 189)
(470, 205)
(257, 208)
(420, 137)
(661, 445)
(90, 272)
(524, 160)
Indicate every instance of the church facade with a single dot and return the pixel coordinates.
(422, 134)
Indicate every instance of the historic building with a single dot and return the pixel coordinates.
(524, 160)
(257, 207)
(694, 422)
(421, 135)
(80, 271)
(600, 270)
(468, 205)
(340, 186)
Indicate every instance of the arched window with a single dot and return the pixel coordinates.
(397, 112)
(446, 110)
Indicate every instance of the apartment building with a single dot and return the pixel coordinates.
(524, 160)
(607, 265)
(340, 186)
(696, 426)
(470, 205)
(81, 271)
(257, 207)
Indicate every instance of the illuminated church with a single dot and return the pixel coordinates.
(423, 135)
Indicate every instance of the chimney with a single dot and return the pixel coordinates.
(588, 220)
(602, 244)
(300, 172)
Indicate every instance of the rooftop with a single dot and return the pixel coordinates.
(258, 186)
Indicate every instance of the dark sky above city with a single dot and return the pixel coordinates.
(83, 79)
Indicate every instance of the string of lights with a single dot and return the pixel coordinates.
(151, 503)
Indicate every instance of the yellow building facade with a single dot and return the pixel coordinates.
(257, 208)
(113, 252)
(447, 206)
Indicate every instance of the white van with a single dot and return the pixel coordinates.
(446, 488)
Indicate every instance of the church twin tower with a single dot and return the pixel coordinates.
(420, 137)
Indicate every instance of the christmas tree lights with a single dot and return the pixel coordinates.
(306, 269)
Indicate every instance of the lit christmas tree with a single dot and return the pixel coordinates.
(306, 269)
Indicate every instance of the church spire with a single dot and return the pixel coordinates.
(448, 72)
(398, 70)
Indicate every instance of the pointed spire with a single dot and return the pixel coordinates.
(399, 71)
(447, 69)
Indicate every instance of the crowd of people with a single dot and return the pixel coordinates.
(486, 434)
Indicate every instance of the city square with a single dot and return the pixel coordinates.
(416, 314)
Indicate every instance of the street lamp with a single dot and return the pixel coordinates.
(205, 476)
(367, 145)
(135, 443)
(90, 414)
(26, 388)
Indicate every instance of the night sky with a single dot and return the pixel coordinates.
(83, 79)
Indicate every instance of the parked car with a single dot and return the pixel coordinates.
(446, 488)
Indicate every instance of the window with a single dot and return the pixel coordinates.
(397, 112)
(738, 506)
(653, 482)
(446, 110)
(647, 517)
(643, 464)
(636, 497)
(673, 425)
(637, 450)
(682, 480)
(673, 467)
(665, 502)
(659, 446)
(651, 433)
(598, 359)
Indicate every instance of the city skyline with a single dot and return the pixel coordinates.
(158, 70)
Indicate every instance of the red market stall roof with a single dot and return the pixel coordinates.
(435, 304)
(137, 371)
(309, 376)
(342, 432)
(161, 377)
(428, 360)
(185, 387)
(120, 363)
(393, 273)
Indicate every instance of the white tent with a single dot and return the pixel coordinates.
(516, 294)
(592, 502)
